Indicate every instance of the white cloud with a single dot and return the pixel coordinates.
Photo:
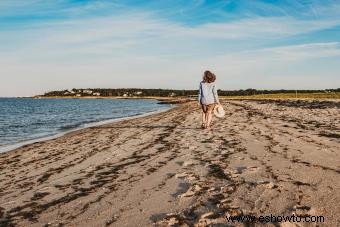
(145, 35)
(261, 28)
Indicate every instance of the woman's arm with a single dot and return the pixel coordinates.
(199, 93)
(215, 94)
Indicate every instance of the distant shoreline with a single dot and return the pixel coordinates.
(104, 97)
(162, 100)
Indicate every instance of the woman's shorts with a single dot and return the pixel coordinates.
(209, 107)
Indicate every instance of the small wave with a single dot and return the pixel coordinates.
(38, 123)
(83, 123)
(71, 126)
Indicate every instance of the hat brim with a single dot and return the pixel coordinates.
(219, 111)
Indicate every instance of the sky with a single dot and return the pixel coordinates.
(63, 44)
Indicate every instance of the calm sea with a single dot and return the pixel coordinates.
(25, 120)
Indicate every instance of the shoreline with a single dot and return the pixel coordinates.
(106, 97)
(160, 99)
(18, 145)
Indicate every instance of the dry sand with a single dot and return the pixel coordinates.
(264, 157)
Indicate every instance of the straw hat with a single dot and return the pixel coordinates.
(219, 111)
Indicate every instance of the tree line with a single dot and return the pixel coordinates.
(132, 92)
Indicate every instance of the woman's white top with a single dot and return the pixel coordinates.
(207, 93)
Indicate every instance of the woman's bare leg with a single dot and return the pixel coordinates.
(203, 119)
(209, 118)
(204, 116)
(209, 115)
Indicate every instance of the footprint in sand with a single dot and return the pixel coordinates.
(268, 185)
(181, 175)
(253, 169)
(302, 211)
(228, 189)
(188, 163)
(187, 176)
(207, 219)
(196, 189)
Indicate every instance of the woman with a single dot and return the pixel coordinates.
(207, 98)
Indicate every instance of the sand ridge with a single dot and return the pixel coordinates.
(264, 157)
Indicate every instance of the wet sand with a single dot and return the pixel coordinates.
(264, 157)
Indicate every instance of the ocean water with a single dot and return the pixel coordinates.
(25, 120)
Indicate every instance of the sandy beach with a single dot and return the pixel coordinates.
(264, 158)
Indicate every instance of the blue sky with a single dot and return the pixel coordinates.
(59, 44)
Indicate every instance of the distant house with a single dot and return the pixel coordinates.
(172, 94)
(125, 95)
(138, 92)
(89, 92)
(67, 93)
(96, 94)
(78, 95)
